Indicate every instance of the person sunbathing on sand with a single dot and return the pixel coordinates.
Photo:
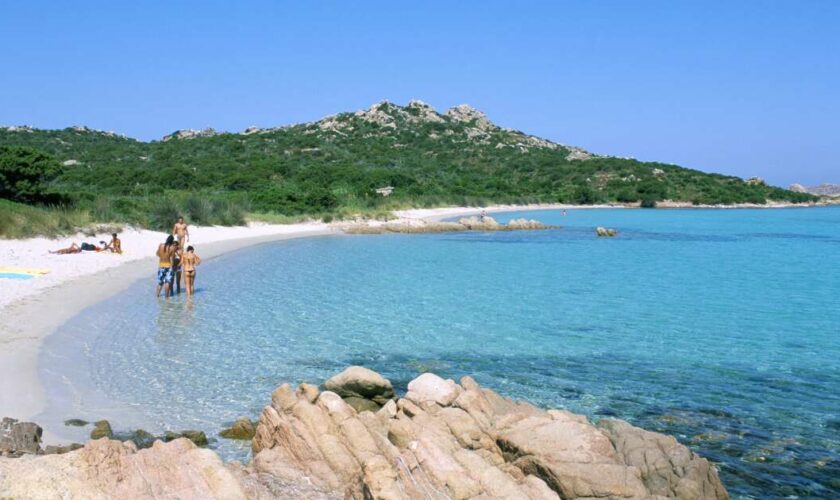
(189, 260)
(74, 248)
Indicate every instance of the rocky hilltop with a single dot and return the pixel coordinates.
(824, 189)
(356, 439)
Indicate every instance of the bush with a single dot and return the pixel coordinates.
(25, 173)
(163, 213)
(648, 203)
(199, 210)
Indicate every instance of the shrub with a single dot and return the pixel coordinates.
(25, 173)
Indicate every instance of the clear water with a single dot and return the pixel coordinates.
(721, 327)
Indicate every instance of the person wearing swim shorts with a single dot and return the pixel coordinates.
(164, 273)
(190, 260)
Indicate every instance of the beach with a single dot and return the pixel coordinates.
(32, 309)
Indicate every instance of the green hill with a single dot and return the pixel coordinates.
(333, 166)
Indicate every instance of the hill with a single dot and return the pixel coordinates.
(335, 165)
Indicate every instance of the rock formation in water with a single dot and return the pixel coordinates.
(415, 226)
(603, 231)
(441, 440)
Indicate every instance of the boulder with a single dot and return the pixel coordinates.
(448, 440)
(603, 231)
(667, 468)
(101, 429)
(430, 387)
(197, 437)
(142, 439)
(242, 429)
(525, 224)
(359, 382)
(105, 468)
(485, 223)
(19, 438)
(362, 404)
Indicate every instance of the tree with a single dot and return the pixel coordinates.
(25, 173)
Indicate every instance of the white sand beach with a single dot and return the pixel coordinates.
(32, 309)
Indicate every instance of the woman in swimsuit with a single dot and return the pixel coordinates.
(189, 260)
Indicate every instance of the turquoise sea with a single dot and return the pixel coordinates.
(720, 327)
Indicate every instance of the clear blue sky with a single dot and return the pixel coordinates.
(745, 87)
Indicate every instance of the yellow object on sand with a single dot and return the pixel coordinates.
(21, 270)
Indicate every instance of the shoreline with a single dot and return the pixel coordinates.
(31, 317)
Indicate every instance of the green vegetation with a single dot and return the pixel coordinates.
(25, 173)
(20, 221)
(333, 167)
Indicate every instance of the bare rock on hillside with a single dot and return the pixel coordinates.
(448, 440)
(468, 114)
(798, 188)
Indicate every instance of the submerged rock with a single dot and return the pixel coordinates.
(242, 429)
(142, 439)
(101, 429)
(76, 422)
(197, 437)
(19, 438)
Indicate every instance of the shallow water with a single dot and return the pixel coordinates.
(721, 327)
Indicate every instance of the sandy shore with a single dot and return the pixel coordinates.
(32, 309)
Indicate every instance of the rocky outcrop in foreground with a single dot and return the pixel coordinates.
(441, 440)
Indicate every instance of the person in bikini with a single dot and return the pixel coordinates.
(164, 274)
(181, 231)
(189, 260)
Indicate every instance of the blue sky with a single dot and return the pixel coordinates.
(746, 88)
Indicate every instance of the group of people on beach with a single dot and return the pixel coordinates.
(114, 246)
(176, 262)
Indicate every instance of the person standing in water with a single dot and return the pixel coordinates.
(177, 251)
(164, 274)
(190, 260)
(181, 231)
